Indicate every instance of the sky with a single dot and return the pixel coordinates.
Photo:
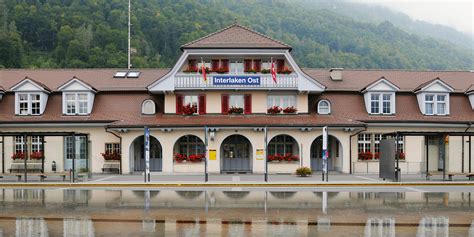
(458, 14)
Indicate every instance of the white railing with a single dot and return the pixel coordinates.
(193, 81)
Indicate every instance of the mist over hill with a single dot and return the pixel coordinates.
(93, 33)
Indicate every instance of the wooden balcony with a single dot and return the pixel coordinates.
(236, 81)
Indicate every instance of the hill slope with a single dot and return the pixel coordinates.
(93, 33)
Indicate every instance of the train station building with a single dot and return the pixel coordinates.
(237, 114)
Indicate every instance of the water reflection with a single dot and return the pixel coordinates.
(64, 212)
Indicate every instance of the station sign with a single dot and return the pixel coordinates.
(236, 80)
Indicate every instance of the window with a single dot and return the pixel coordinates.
(190, 145)
(364, 142)
(112, 148)
(80, 147)
(29, 104)
(377, 139)
(148, 107)
(435, 104)
(283, 101)
(36, 144)
(282, 145)
(236, 67)
(192, 100)
(324, 107)
(236, 101)
(374, 103)
(19, 144)
(429, 104)
(76, 103)
(381, 103)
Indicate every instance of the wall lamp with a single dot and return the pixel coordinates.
(166, 130)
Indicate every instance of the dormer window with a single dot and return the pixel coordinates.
(435, 104)
(29, 103)
(381, 103)
(30, 97)
(433, 97)
(148, 107)
(78, 97)
(324, 107)
(379, 97)
(76, 103)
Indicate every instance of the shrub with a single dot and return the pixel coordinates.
(303, 171)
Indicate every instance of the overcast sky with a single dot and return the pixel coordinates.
(455, 13)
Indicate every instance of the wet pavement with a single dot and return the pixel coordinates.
(236, 212)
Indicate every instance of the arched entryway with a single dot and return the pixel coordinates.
(137, 154)
(236, 154)
(334, 154)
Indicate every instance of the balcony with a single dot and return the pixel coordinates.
(233, 81)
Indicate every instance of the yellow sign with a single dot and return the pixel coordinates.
(212, 155)
(260, 154)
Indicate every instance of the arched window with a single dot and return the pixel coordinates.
(190, 145)
(324, 107)
(148, 107)
(282, 144)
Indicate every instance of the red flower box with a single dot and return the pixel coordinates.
(38, 155)
(111, 155)
(18, 156)
(180, 157)
(274, 110)
(189, 109)
(290, 110)
(196, 158)
(365, 155)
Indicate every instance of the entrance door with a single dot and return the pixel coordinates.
(80, 148)
(139, 154)
(236, 154)
(317, 153)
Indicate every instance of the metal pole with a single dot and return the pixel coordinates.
(25, 152)
(147, 154)
(470, 151)
(129, 64)
(444, 157)
(427, 155)
(206, 175)
(397, 156)
(73, 157)
(42, 151)
(3, 154)
(265, 140)
(87, 155)
(462, 155)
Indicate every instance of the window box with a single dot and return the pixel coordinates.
(265, 71)
(111, 156)
(279, 158)
(179, 158)
(221, 70)
(290, 110)
(364, 156)
(189, 109)
(274, 110)
(236, 110)
(18, 156)
(196, 158)
(285, 71)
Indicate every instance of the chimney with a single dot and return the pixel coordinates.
(336, 74)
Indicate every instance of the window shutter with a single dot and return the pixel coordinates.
(179, 104)
(257, 65)
(225, 104)
(247, 65)
(225, 64)
(248, 104)
(214, 64)
(202, 104)
(280, 65)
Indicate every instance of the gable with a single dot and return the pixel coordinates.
(435, 85)
(235, 36)
(381, 85)
(76, 85)
(29, 85)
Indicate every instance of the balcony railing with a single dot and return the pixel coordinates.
(265, 81)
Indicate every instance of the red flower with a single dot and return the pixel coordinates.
(18, 155)
(111, 155)
(180, 157)
(38, 155)
(365, 155)
(189, 109)
(290, 110)
(274, 110)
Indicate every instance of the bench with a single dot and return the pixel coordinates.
(43, 176)
(20, 167)
(11, 175)
(470, 176)
(111, 168)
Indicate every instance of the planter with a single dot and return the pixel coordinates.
(188, 167)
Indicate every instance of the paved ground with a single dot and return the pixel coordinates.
(246, 179)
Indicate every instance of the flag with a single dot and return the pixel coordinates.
(203, 70)
(274, 76)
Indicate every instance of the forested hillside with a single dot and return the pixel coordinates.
(93, 33)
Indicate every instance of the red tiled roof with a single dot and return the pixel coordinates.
(237, 37)
(470, 89)
(356, 80)
(101, 79)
